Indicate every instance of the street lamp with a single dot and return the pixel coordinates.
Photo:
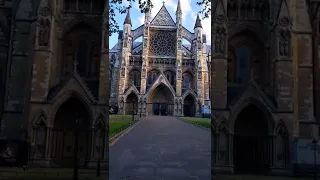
(209, 72)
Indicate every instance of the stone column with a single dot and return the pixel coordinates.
(219, 75)
(301, 44)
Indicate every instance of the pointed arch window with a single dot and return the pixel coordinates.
(152, 76)
(186, 81)
(243, 56)
(170, 77)
(135, 78)
(149, 79)
(82, 58)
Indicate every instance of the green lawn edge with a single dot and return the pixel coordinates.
(117, 126)
(202, 122)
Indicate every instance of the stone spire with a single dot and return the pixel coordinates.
(128, 19)
(178, 7)
(198, 23)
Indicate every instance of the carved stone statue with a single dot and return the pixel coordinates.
(143, 71)
(44, 32)
(123, 71)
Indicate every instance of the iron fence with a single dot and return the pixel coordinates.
(56, 148)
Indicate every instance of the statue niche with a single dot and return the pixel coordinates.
(44, 31)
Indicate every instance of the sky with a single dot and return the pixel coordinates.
(189, 15)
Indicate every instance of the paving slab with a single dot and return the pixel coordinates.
(163, 148)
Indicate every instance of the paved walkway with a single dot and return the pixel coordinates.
(161, 148)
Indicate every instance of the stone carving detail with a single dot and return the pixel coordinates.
(146, 30)
(163, 18)
(123, 71)
(284, 42)
(199, 43)
(163, 44)
(179, 44)
(145, 43)
(199, 74)
(281, 145)
(179, 74)
(179, 32)
(284, 21)
(143, 73)
(44, 31)
(44, 11)
(220, 40)
(161, 62)
(223, 147)
(220, 19)
(3, 38)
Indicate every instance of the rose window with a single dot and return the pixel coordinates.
(163, 44)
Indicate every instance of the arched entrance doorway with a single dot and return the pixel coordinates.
(251, 151)
(161, 101)
(189, 106)
(131, 103)
(71, 134)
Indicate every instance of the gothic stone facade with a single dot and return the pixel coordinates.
(161, 75)
(264, 81)
(54, 77)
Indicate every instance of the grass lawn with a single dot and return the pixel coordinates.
(120, 117)
(116, 126)
(204, 122)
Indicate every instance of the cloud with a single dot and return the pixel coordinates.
(141, 19)
(206, 24)
(186, 9)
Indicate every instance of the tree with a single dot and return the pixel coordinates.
(144, 5)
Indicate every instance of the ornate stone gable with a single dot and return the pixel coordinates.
(163, 18)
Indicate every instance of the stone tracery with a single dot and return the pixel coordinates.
(162, 44)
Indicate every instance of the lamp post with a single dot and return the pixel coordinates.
(76, 144)
(209, 72)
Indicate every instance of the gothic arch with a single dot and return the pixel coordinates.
(40, 119)
(79, 20)
(247, 28)
(261, 106)
(99, 121)
(58, 101)
(133, 90)
(190, 92)
(159, 84)
(223, 127)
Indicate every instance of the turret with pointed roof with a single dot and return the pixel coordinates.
(179, 10)
(127, 20)
(198, 23)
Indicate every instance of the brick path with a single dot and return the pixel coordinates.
(161, 148)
